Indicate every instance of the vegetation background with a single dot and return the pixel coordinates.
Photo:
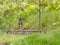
(12, 10)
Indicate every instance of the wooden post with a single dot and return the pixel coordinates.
(39, 16)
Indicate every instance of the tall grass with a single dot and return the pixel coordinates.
(52, 38)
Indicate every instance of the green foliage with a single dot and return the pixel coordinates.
(12, 10)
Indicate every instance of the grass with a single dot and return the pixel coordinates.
(52, 37)
(10, 38)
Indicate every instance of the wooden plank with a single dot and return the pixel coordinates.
(22, 31)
